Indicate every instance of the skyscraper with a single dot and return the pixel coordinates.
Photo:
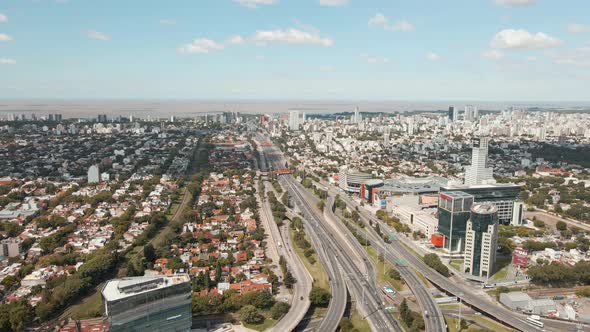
(470, 113)
(149, 303)
(479, 172)
(454, 209)
(453, 114)
(357, 118)
(481, 240)
(293, 120)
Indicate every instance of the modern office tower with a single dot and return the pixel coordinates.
(453, 113)
(172, 118)
(102, 118)
(58, 117)
(454, 209)
(34, 117)
(357, 117)
(470, 113)
(481, 240)
(10, 247)
(517, 213)
(503, 195)
(93, 174)
(386, 136)
(50, 117)
(479, 172)
(293, 120)
(149, 303)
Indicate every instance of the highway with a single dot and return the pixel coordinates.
(498, 312)
(366, 296)
(433, 316)
(300, 302)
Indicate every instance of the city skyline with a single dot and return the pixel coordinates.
(322, 49)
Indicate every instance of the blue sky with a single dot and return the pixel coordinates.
(530, 50)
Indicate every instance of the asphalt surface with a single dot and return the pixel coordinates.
(433, 317)
(468, 296)
(300, 302)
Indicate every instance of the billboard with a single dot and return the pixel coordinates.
(520, 257)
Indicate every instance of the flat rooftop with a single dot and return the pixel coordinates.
(121, 288)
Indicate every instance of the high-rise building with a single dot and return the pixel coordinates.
(149, 303)
(453, 113)
(454, 209)
(93, 174)
(102, 118)
(357, 117)
(481, 240)
(293, 120)
(470, 113)
(479, 172)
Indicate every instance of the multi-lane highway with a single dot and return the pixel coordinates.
(366, 296)
(467, 295)
(433, 317)
(300, 302)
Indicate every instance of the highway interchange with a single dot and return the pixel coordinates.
(361, 286)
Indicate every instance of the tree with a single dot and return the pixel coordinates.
(319, 296)
(149, 253)
(346, 325)
(405, 313)
(394, 274)
(289, 280)
(21, 315)
(259, 298)
(279, 309)
(434, 262)
(561, 225)
(250, 315)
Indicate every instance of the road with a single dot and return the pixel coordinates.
(433, 317)
(300, 302)
(367, 297)
(508, 317)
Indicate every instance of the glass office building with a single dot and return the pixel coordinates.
(149, 303)
(481, 240)
(503, 195)
(454, 209)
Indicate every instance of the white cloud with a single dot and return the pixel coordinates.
(373, 60)
(252, 4)
(200, 46)
(402, 26)
(378, 20)
(166, 21)
(291, 36)
(236, 40)
(432, 56)
(577, 28)
(5, 37)
(522, 39)
(327, 68)
(513, 3)
(5, 61)
(579, 57)
(260, 57)
(333, 2)
(97, 35)
(493, 55)
(3, 18)
(382, 21)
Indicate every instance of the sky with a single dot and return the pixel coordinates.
(494, 50)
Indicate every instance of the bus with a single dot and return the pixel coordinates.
(534, 321)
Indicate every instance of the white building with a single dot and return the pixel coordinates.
(293, 120)
(10, 247)
(479, 172)
(93, 174)
(481, 240)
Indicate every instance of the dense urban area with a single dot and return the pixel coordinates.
(453, 220)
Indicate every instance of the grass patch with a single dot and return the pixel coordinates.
(268, 323)
(497, 327)
(90, 307)
(319, 275)
(457, 264)
(501, 274)
(374, 257)
(360, 324)
(423, 278)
